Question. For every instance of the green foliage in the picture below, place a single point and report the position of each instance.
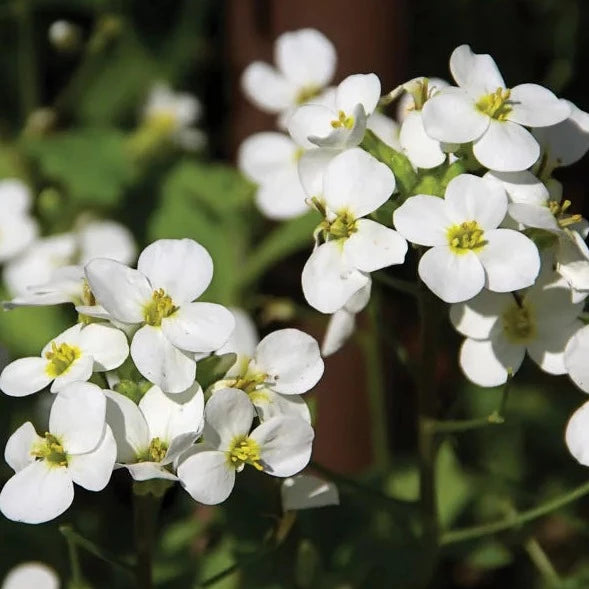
(213, 368)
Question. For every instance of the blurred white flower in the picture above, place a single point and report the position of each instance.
(31, 575)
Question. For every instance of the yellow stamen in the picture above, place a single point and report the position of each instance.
(343, 121)
(156, 451)
(160, 307)
(60, 359)
(243, 450)
(342, 227)
(51, 451)
(465, 237)
(496, 104)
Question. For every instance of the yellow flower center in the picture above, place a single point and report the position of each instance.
(518, 324)
(88, 298)
(162, 122)
(560, 209)
(343, 121)
(156, 451)
(51, 450)
(298, 154)
(342, 227)
(306, 93)
(466, 236)
(496, 104)
(160, 307)
(60, 359)
(243, 450)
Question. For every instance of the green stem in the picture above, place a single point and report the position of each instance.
(27, 65)
(243, 562)
(462, 534)
(398, 284)
(77, 577)
(542, 562)
(146, 507)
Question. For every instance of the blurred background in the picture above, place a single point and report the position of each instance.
(72, 125)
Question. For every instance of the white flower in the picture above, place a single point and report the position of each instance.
(243, 340)
(78, 448)
(280, 446)
(355, 185)
(72, 356)
(577, 434)
(385, 128)
(285, 364)
(151, 436)
(31, 575)
(105, 239)
(468, 252)
(306, 491)
(17, 228)
(484, 111)
(158, 297)
(271, 161)
(175, 113)
(341, 124)
(305, 61)
(415, 93)
(500, 328)
(342, 323)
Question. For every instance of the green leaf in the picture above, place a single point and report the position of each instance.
(490, 555)
(91, 163)
(308, 565)
(213, 368)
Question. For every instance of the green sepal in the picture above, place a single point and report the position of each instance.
(213, 368)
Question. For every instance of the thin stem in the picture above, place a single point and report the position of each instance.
(462, 534)
(146, 508)
(77, 577)
(542, 562)
(398, 284)
(27, 66)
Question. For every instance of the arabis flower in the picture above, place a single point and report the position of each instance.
(152, 435)
(467, 252)
(483, 110)
(577, 434)
(280, 446)
(341, 124)
(157, 297)
(17, 228)
(72, 356)
(306, 491)
(285, 364)
(355, 185)
(271, 160)
(305, 64)
(31, 575)
(501, 328)
(78, 448)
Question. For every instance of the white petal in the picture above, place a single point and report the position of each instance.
(511, 260)
(78, 417)
(79, 371)
(310, 120)
(357, 182)
(573, 260)
(577, 434)
(575, 359)
(107, 345)
(24, 377)
(144, 471)
(267, 88)
(521, 187)
(282, 197)
(93, 469)
(285, 445)
(182, 267)
(423, 220)
(339, 329)
(385, 128)
(305, 57)
(15, 196)
(479, 317)
(106, 239)
(262, 155)
(487, 362)
(531, 215)
(128, 426)
(207, 476)
(421, 149)
(452, 277)
(37, 494)
(548, 352)
(160, 362)
(536, 106)
(306, 491)
(506, 147)
(15, 235)
(18, 448)
(312, 167)
(341, 138)
(244, 338)
(359, 299)
(199, 327)
(292, 358)
(470, 198)
(29, 575)
(269, 404)
(451, 116)
(477, 73)
(374, 246)
(361, 89)
(228, 413)
(122, 291)
(329, 279)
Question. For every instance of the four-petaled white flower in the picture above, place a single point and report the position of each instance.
(70, 357)
(17, 228)
(483, 110)
(285, 364)
(501, 327)
(171, 273)
(355, 185)
(271, 160)
(305, 64)
(78, 448)
(467, 252)
(280, 446)
(152, 435)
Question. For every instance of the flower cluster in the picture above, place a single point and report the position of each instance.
(127, 384)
